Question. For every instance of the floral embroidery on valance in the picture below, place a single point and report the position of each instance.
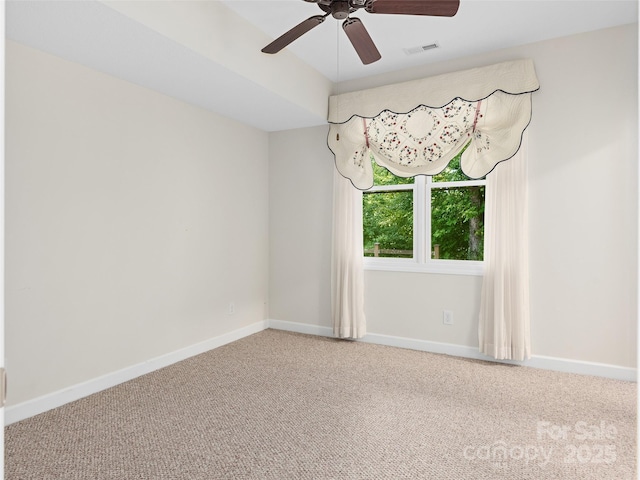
(422, 140)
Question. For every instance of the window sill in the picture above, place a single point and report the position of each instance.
(446, 267)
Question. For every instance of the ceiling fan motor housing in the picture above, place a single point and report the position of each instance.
(340, 9)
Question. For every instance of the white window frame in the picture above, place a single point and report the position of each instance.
(422, 261)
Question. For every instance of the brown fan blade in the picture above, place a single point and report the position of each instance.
(435, 8)
(293, 34)
(361, 41)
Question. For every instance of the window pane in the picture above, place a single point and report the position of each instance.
(457, 223)
(387, 219)
(382, 176)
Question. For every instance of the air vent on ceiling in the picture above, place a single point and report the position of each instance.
(421, 48)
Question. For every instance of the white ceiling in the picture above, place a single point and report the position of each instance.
(479, 26)
(229, 75)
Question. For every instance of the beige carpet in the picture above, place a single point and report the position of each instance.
(279, 405)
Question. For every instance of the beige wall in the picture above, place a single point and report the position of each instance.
(583, 212)
(132, 221)
(300, 210)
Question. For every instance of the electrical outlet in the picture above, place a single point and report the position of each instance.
(232, 309)
(447, 317)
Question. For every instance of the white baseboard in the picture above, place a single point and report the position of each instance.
(39, 405)
(301, 328)
(537, 361)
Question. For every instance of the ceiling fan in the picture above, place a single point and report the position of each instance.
(354, 28)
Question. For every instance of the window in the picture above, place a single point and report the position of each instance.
(430, 224)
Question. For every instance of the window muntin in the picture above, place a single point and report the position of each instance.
(443, 222)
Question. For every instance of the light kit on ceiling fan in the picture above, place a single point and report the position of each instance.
(354, 28)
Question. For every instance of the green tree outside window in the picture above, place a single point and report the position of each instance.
(457, 215)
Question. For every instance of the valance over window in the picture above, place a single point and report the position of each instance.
(417, 127)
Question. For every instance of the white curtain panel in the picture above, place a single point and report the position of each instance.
(504, 328)
(347, 273)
